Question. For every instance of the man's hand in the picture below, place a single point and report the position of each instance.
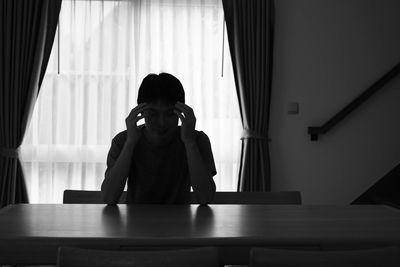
(186, 114)
(133, 131)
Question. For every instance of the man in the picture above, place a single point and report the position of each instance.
(160, 160)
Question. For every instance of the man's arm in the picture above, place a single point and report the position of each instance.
(115, 177)
(200, 175)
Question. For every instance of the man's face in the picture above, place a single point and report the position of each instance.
(161, 121)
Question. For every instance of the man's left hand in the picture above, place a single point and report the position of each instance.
(186, 114)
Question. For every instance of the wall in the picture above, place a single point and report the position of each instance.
(326, 53)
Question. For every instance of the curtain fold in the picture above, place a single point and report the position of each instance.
(250, 33)
(27, 32)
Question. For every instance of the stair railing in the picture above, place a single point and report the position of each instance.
(315, 131)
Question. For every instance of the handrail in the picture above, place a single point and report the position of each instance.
(314, 131)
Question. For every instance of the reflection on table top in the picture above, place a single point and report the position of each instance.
(198, 225)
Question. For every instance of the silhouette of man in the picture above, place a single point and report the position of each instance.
(160, 160)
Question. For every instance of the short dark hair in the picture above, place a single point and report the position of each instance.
(162, 86)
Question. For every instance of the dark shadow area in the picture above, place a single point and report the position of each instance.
(385, 191)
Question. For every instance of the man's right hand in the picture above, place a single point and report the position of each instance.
(133, 131)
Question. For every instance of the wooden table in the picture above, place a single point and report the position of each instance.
(32, 233)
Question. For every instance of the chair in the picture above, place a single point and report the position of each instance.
(79, 257)
(284, 197)
(378, 257)
(86, 197)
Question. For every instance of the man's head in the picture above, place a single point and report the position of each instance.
(163, 86)
(160, 92)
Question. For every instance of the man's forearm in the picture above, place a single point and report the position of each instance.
(201, 178)
(115, 178)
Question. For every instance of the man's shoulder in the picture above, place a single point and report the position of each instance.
(201, 133)
(201, 137)
(120, 137)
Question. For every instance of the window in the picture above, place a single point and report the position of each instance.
(104, 51)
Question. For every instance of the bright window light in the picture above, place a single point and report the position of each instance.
(101, 53)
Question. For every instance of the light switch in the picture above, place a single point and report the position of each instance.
(293, 108)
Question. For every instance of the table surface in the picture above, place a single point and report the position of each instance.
(26, 228)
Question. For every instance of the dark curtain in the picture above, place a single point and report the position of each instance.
(250, 33)
(27, 29)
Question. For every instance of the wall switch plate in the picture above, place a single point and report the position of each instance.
(293, 108)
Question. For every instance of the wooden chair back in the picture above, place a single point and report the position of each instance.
(220, 197)
(284, 197)
(79, 257)
(263, 257)
(87, 197)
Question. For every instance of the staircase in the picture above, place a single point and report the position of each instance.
(386, 191)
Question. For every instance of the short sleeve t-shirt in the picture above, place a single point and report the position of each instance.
(160, 175)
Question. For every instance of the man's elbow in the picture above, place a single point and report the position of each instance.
(207, 197)
(205, 200)
(110, 201)
(108, 198)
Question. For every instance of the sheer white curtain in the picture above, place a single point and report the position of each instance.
(105, 50)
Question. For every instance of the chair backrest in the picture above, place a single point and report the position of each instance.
(86, 197)
(195, 257)
(284, 197)
(387, 256)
